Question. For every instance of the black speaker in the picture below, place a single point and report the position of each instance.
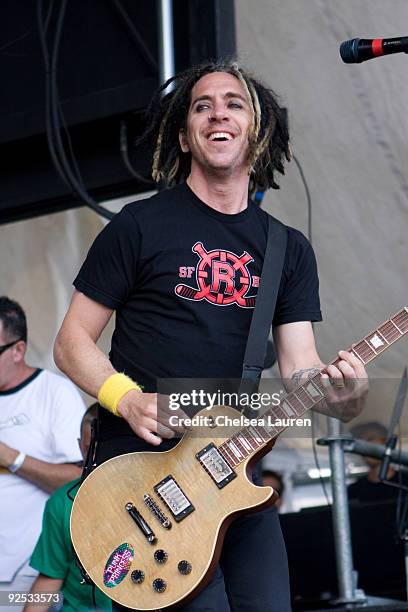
(107, 71)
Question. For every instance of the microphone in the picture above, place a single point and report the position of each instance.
(361, 49)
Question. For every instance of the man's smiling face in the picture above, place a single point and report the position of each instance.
(218, 125)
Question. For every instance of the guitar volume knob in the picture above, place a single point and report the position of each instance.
(137, 576)
(160, 556)
(159, 585)
(184, 567)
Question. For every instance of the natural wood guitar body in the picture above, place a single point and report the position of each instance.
(100, 522)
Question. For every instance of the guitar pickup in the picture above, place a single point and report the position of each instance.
(215, 465)
(175, 499)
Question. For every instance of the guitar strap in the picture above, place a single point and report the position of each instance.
(255, 352)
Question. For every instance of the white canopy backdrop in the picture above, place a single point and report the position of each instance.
(349, 130)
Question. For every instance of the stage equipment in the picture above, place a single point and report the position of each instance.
(359, 50)
(338, 445)
(166, 40)
(377, 556)
(108, 68)
(346, 575)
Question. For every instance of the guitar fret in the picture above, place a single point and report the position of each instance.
(378, 332)
(317, 381)
(287, 408)
(313, 390)
(363, 351)
(304, 397)
(239, 445)
(390, 331)
(272, 429)
(401, 320)
(363, 361)
(245, 443)
(279, 413)
(262, 432)
(263, 429)
(234, 450)
(248, 438)
(395, 325)
(295, 404)
(229, 458)
(375, 342)
(257, 438)
(224, 453)
(251, 438)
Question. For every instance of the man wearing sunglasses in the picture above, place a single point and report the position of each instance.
(40, 416)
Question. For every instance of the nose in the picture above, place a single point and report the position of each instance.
(218, 113)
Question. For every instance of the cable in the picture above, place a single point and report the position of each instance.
(30, 31)
(309, 199)
(12, 42)
(71, 178)
(317, 462)
(94, 596)
(309, 235)
(125, 156)
(76, 484)
(76, 182)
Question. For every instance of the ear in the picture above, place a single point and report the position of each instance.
(19, 351)
(183, 141)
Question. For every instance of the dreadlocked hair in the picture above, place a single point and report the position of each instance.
(167, 114)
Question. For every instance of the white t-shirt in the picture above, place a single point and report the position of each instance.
(41, 417)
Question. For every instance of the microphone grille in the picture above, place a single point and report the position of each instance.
(348, 51)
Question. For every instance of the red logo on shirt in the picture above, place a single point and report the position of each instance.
(222, 277)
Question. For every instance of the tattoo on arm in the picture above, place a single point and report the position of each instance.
(298, 375)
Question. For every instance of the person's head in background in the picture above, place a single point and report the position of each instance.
(13, 344)
(85, 440)
(373, 432)
(274, 479)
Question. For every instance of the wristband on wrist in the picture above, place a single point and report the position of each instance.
(17, 463)
(113, 389)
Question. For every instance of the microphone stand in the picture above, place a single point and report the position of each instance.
(346, 574)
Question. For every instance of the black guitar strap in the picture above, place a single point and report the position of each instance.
(262, 317)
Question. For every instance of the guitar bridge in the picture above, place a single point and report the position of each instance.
(157, 513)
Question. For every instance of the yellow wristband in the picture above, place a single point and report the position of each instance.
(113, 389)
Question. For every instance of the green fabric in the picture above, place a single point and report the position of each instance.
(53, 555)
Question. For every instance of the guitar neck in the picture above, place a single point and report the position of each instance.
(248, 440)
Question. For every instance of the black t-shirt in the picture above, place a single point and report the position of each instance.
(182, 278)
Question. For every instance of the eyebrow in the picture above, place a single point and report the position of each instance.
(228, 94)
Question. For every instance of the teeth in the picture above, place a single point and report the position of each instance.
(216, 135)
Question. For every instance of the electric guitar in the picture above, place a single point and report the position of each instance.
(148, 527)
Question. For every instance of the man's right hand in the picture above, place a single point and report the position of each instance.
(147, 420)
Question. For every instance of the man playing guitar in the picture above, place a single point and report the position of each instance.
(179, 270)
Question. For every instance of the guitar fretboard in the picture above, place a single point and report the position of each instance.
(249, 439)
